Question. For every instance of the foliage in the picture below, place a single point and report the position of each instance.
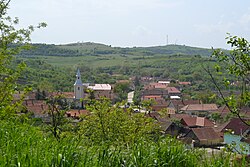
(237, 63)
(111, 124)
(122, 89)
(9, 35)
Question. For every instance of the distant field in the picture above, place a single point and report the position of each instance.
(111, 60)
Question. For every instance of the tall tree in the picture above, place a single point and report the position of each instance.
(12, 41)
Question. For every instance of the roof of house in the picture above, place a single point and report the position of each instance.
(197, 121)
(207, 133)
(185, 83)
(173, 90)
(223, 110)
(164, 82)
(154, 92)
(38, 107)
(156, 85)
(237, 126)
(69, 95)
(165, 125)
(181, 103)
(179, 116)
(200, 107)
(100, 87)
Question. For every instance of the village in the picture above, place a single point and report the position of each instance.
(190, 121)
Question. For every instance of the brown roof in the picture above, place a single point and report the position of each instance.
(197, 121)
(154, 115)
(237, 126)
(36, 106)
(201, 121)
(156, 85)
(181, 103)
(223, 110)
(173, 90)
(158, 107)
(154, 92)
(179, 116)
(65, 94)
(200, 107)
(207, 133)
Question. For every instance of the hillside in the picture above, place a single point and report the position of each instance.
(83, 49)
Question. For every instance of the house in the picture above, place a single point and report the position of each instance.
(204, 137)
(173, 91)
(102, 90)
(155, 92)
(170, 128)
(156, 85)
(193, 122)
(223, 111)
(160, 105)
(178, 116)
(178, 104)
(199, 109)
(236, 127)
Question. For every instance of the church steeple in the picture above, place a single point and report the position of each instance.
(78, 86)
(78, 78)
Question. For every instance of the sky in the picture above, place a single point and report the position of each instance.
(129, 23)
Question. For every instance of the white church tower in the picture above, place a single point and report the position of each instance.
(78, 87)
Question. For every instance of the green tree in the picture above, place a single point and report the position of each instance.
(111, 124)
(12, 41)
(122, 89)
(236, 63)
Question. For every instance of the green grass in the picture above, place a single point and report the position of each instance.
(24, 145)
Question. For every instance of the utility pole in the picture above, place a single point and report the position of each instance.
(167, 40)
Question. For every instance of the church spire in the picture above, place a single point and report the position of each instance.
(78, 78)
(78, 86)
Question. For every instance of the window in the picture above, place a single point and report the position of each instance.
(78, 88)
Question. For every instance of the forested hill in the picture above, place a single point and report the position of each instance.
(81, 49)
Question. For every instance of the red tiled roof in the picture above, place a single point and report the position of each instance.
(173, 90)
(36, 106)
